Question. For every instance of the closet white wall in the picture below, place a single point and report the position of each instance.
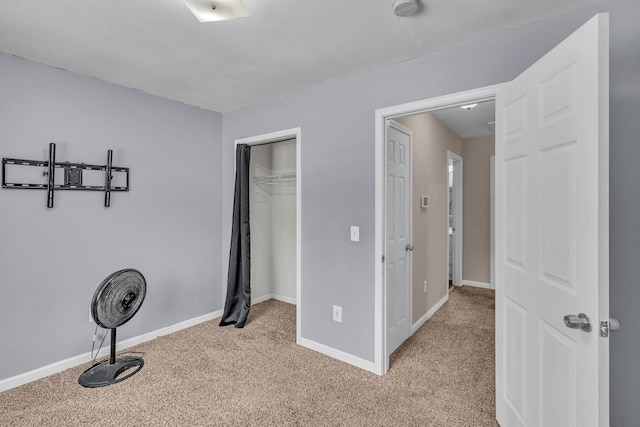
(273, 221)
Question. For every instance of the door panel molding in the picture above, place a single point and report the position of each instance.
(552, 221)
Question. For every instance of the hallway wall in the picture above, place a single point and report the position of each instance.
(476, 236)
(431, 141)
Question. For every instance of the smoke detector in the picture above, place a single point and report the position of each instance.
(403, 8)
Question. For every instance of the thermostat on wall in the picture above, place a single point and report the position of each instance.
(424, 201)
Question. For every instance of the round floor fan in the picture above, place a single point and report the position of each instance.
(117, 299)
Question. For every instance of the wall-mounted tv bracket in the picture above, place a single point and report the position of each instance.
(72, 176)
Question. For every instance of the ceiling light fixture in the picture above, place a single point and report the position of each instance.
(217, 10)
(468, 107)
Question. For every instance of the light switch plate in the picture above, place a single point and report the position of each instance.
(355, 233)
(337, 313)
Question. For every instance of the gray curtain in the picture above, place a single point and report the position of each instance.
(238, 302)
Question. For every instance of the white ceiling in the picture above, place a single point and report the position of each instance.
(159, 47)
(469, 123)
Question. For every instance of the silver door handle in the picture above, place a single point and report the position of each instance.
(408, 247)
(581, 321)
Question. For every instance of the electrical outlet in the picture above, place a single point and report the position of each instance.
(425, 286)
(337, 313)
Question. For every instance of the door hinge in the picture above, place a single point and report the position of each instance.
(382, 258)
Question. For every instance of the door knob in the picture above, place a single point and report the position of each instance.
(614, 325)
(409, 247)
(581, 321)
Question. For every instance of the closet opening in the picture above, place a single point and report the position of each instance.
(272, 218)
(275, 218)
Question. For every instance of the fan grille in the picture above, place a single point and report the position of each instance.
(118, 298)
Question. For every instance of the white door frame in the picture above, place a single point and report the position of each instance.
(382, 115)
(456, 274)
(275, 137)
(492, 221)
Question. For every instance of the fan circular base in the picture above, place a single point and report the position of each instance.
(106, 373)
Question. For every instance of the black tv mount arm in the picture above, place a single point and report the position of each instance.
(72, 176)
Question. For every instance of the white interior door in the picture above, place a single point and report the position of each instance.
(455, 220)
(398, 235)
(552, 236)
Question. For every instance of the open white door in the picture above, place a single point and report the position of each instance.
(455, 219)
(398, 235)
(552, 204)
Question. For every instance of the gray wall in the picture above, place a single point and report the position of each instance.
(167, 226)
(337, 149)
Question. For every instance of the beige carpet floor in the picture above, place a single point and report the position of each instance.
(257, 376)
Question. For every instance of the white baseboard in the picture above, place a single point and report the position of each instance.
(337, 354)
(278, 297)
(74, 361)
(283, 298)
(421, 321)
(258, 300)
(477, 284)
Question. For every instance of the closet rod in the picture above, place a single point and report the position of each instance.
(276, 177)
